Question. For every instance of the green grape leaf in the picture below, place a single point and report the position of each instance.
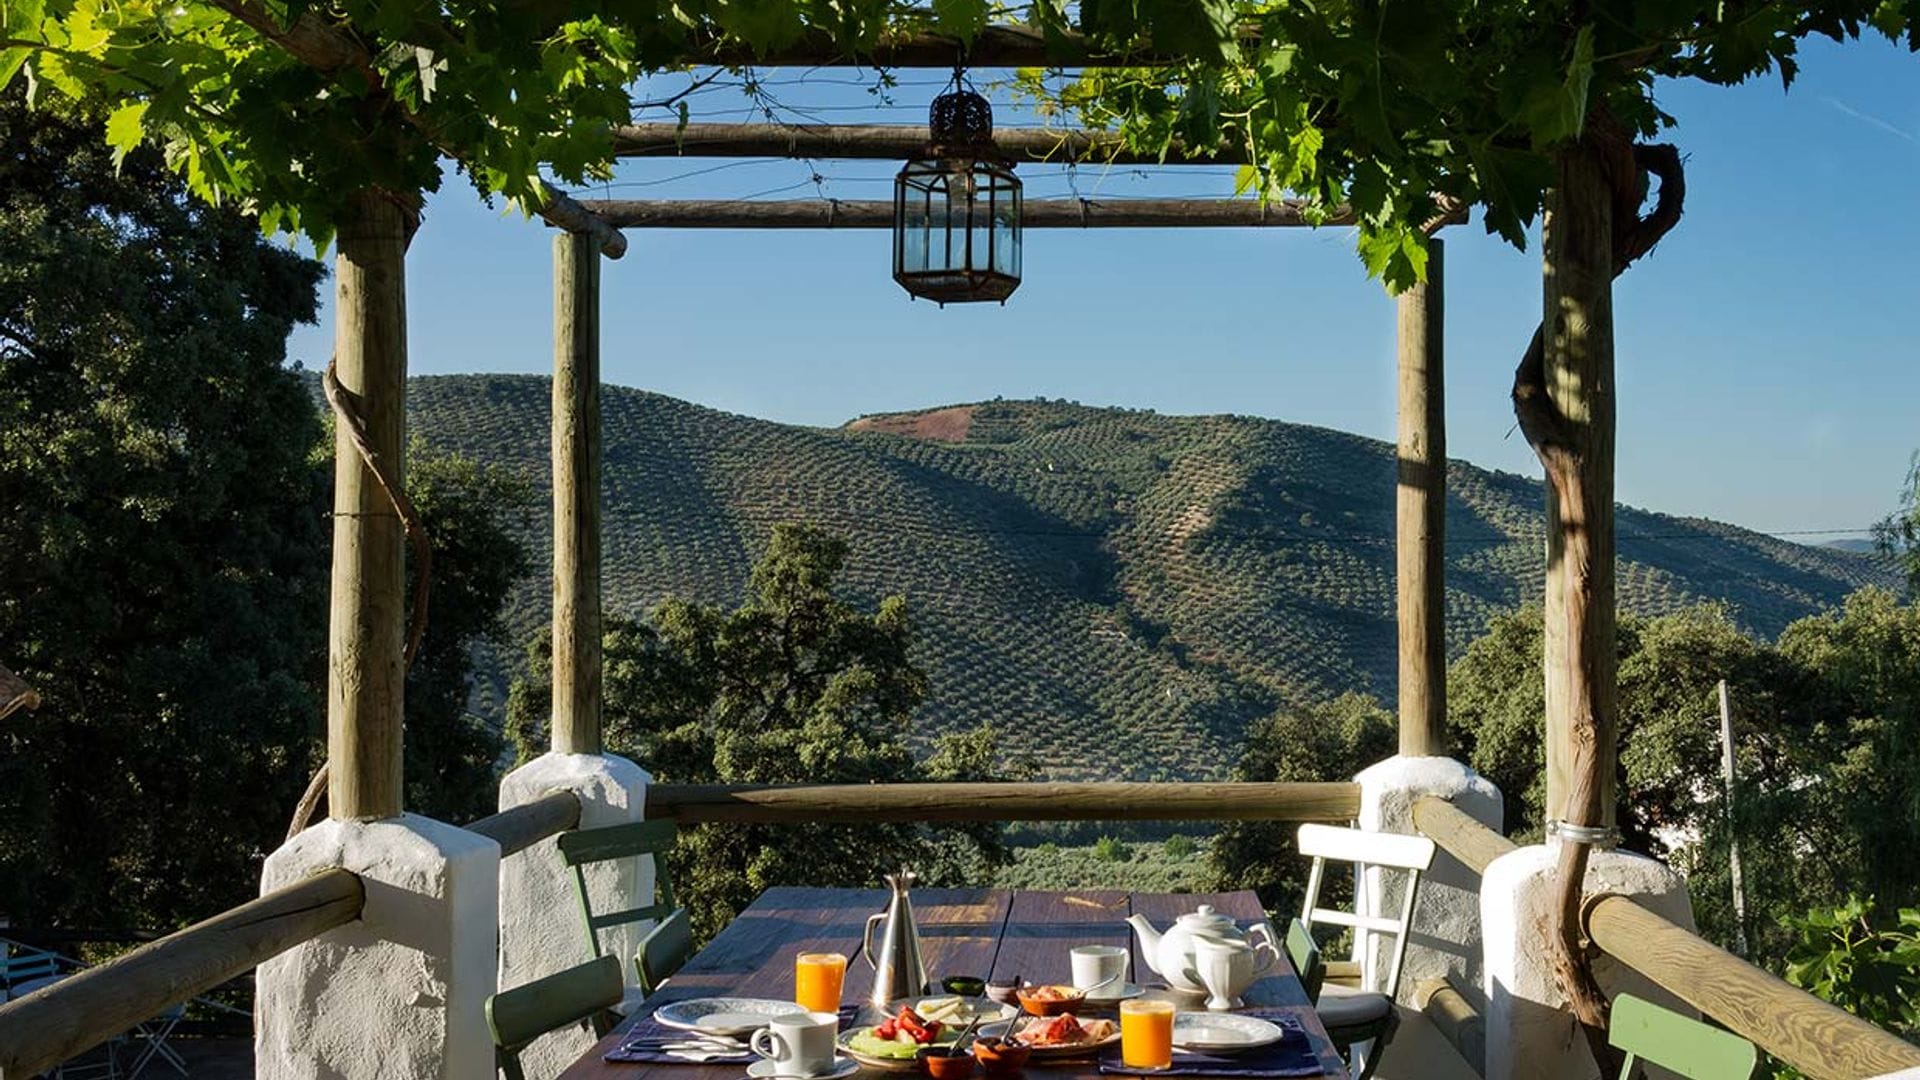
(124, 129)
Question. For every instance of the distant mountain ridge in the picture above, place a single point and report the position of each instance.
(1119, 592)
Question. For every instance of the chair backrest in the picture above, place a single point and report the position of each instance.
(524, 1013)
(1392, 851)
(1305, 954)
(583, 847)
(20, 964)
(665, 951)
(1686, 1046)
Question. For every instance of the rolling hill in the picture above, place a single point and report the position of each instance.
(1119, 592)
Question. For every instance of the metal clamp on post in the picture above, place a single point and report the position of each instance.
(1603, 837)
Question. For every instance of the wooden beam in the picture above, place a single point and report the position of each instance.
(1819, 1039)
(1455, 1018)
(525, 825)
(1458, 833)
(1420, 535)
(15, 694)
(1035, 214)
(367, 634)
(888, 142)
(79, 1012)
(575, 723)
(563, 212)
(1003, 46)
(856, 803)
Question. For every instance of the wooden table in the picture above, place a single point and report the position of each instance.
(996, 933)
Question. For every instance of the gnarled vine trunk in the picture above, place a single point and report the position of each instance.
(1563, 395)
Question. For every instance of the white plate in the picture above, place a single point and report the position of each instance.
(1223, 1033)
(723, 1015)
(1111, 994)
(762, 1069)
(989, 1009)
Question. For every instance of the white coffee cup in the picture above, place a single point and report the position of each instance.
(1099, 967)
(798, 1043)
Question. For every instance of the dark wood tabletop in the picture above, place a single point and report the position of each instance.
(998, 933)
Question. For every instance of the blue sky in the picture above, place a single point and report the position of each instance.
(1769, 370)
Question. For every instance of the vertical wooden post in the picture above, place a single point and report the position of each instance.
(576, 495)
(1580, 658)
(1421, 513)
(367, 634)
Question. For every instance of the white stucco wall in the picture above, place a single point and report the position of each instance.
(401, 993)
(541, 927)
(1446, 938)
(1529, 1031)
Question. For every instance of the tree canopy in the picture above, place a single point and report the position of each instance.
(293, 110)
(794, 686)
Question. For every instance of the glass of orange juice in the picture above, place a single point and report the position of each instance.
(816, 980)
(1146, 1034)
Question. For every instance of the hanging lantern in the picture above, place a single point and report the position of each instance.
(956, 212)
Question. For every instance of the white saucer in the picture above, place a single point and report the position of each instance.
(1109, 994)
(765, 1068)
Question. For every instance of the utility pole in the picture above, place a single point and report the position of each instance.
(1733, 837)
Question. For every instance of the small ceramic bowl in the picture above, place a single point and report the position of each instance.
(937, 1063)
(964, 985)
(1000, 1058)
(1069, 1000)
(1004, 991)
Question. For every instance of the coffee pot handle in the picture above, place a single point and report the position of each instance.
(866, 940)
(1264, 960)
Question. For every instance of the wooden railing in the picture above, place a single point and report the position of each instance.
(77, 1013)
(525, 825)
(1794, 1026)
(855, 803)
(70, 1017)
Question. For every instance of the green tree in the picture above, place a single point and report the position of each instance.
(164, 546)
(1872, 970)
(1317, 741)
(470, 512)
(1899, 533)
(795, 686)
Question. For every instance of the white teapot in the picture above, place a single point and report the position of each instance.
(1171, 955)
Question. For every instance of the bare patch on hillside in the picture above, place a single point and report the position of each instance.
(940, 425)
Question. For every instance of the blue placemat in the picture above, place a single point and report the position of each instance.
(1295, 1055)
(640, 1043)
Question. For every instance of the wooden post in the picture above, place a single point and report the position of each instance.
(367, 635)
(576, 495)
(1580, 658)
(1421, 518)
(1733, 833)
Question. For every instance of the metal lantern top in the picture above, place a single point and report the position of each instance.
(960, 121)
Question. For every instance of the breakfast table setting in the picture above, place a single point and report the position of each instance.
(977, 984)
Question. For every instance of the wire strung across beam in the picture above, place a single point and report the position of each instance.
(1035, 214)
(895, 142)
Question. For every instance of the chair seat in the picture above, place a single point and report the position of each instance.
(1341, 1008)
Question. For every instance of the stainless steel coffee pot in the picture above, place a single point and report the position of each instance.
(898, 970)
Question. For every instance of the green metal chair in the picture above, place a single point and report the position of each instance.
(1305, 954)
(1688, 1047)
(582, 994)
(668, 945)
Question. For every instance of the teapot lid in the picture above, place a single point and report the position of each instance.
(1207, 919)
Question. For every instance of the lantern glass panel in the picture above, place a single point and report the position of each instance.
(957, 230)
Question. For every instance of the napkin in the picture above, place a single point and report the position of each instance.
(639, 1044)
(1295, 1055)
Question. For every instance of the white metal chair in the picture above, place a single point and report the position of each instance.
(1361, 1020)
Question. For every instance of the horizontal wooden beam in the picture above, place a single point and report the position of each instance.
(891, 142)
(1821, 1040)
(1005, 46)
(878, 214)
(523, 826)
(1459, 834)
(859, 803)
(81, 1011)
(1456, 1019)
(562, 212)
